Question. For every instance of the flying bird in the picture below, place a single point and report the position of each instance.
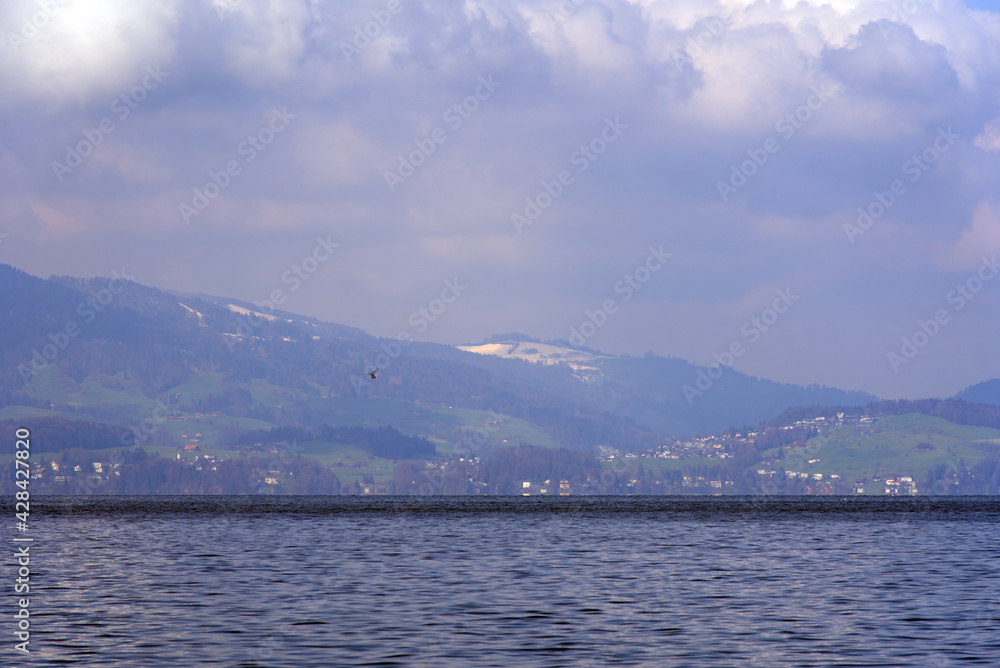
(372, 373)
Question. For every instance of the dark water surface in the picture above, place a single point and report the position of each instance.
(500, 581)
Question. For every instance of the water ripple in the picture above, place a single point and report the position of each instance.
(407, 581)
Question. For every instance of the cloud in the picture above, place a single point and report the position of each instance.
(81, 52)
(56, 222)
(980, 238)
(702, 86)
(335, 153)
(989, 138)
(10, 162)
(266, 41)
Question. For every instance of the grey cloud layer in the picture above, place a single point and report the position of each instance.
(703, 87)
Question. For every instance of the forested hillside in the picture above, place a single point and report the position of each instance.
(110, 350)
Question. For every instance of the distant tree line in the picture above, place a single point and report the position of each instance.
(775, 437)
(58, 434)
(504, 469)
(983, 478)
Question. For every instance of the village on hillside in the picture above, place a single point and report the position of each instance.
(726, 463)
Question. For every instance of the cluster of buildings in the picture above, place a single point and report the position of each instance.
(707, 447)
(549, 487)
(896, 485)
(723, 447)
(65, 472)
(821, 422)
(700, 481)
(800, 474)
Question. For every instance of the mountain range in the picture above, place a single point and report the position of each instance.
(162, 364)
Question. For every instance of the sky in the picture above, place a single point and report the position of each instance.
(805, 191)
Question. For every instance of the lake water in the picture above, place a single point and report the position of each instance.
(501, 581)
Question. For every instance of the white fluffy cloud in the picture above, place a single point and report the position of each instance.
(80, 51)
(980, 238)
(989, 138)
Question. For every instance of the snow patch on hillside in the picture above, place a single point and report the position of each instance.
(543, 353)
(200, 316)
(243, 311)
